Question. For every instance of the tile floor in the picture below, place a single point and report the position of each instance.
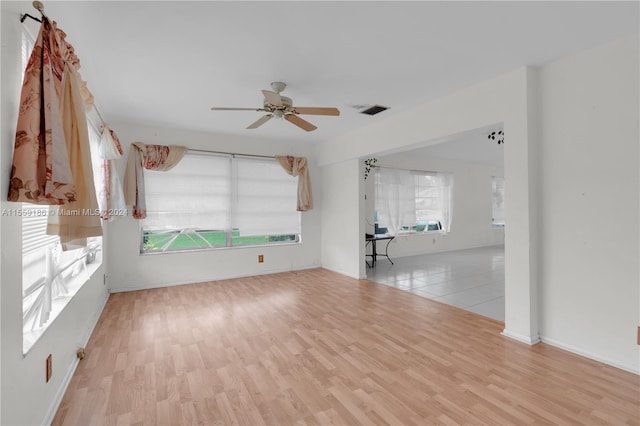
(471, 279)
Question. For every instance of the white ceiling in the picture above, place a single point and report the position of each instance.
(166, 63)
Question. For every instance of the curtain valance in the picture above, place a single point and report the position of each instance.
(297, 166)
(151, 157)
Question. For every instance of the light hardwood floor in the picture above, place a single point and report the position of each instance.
(316, 347)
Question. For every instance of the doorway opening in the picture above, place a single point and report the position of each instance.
(463, 263)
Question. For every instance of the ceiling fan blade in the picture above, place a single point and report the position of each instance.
(316, 111)
(260, 121)
(303, 124)
(236, 109)
(272, 97)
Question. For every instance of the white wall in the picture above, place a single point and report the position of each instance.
(505, 99)
(25, 397)
(129, 270)
(342, 227)
(590, 183)
(472, 210)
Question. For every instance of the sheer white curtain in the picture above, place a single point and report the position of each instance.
(446, 183)
(434, 198)
(395, 198)
(498, 201)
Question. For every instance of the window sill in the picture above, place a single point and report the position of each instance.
(408, 233)
(199, 250)
(30, 337)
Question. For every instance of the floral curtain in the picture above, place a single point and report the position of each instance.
(40, 172)
(151, 157)
(110, 193)
(51, 161)
(297, 166)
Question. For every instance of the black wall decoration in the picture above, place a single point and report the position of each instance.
(497, 136)
(369, 164)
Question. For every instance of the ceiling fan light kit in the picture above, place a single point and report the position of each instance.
(278, 106)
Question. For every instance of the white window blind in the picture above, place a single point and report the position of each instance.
(214, 200)
(195, 194)
(265, 198)
(34, 228)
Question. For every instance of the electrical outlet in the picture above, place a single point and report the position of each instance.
(260, 258)
(49, 368)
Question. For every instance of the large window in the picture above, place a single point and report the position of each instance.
(497, 217)
(51, 275)
(412, 201)
(210, 201)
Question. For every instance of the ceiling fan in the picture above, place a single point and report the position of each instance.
(279, 106)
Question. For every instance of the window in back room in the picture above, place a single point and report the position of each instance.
(409, 201)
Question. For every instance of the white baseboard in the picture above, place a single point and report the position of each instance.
(590, 355)
(217, 278)
(345, 273)
(57, 398)
(529, 340)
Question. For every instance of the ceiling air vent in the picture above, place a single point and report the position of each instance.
(374, 110)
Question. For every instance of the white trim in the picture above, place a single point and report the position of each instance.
(345, 273)
(217, 278)
(57, 398)
(590, 355)
(529, 340)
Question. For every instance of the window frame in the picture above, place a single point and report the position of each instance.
(428, 224)
(231, 233)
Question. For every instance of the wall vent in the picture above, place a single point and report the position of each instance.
(376, 109)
